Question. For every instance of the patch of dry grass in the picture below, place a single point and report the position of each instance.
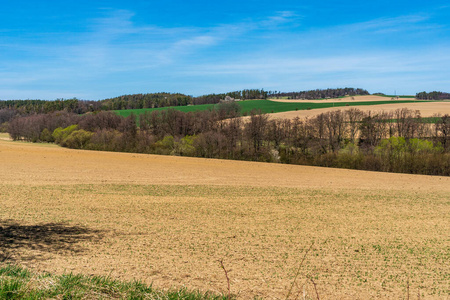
(427, 109)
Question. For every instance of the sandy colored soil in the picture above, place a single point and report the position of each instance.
(5, 137)
(345, 99)
(168, 220)
(426, 109)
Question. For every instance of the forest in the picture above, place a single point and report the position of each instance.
(400, 141)
(11, 108)
(433, 96)
(320, 94)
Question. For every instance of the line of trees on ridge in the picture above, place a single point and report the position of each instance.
(320, 94)
(399, 141)
(11, 108)
(433, 96)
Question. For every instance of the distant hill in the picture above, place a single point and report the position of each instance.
(10, 108)
(433, 95)
(321, 94)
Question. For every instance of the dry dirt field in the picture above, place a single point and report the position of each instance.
(169, 220)
(355, 98)
(426, 109)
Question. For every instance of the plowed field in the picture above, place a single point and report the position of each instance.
(169, 220)
(427, 109)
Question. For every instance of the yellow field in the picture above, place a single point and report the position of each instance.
(345, 99)
(169, 220)
(427, 109)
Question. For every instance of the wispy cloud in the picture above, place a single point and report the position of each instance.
(281, 18)
(277, 50)
(401, 22)
(391, 69)
(389, 30)
(115, 42)
(375, 62)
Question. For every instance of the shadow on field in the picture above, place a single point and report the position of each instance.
(33, 242)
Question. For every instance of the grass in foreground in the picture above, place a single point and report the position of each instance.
(19, 283)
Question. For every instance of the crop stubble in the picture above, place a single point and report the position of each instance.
(168, 220)
(427, 109)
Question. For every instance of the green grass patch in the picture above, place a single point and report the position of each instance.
(190, 108)
(19, 283)
(427, 120)
(266, 106)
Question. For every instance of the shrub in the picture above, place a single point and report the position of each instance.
(77, 139)
(4, 127)
(59, 134)
(166, 145)
(349, 157)
(105, 140)
(420, 146)
(228, 109)
(185, 146)
(46, 136)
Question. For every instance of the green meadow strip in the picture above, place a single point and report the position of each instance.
(266, 106)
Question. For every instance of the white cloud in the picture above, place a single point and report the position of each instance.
(412, 71)
(251, 53)
(280, 18)
(368, 62)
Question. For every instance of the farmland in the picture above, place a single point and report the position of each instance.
(274, 106)
(168, 221)
(427, 109)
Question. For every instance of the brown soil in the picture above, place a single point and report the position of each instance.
(168, 220)
(426, 109)
(5, 137)
(345, 99)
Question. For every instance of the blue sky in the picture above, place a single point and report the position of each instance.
(100, 49)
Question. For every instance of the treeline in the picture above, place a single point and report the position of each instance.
(241, 95)
(138, 101)
(39, 106)
(11, 108)
(433, 96)
(153, 100)
(378, 141)
(26, 107)
(320, 94)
